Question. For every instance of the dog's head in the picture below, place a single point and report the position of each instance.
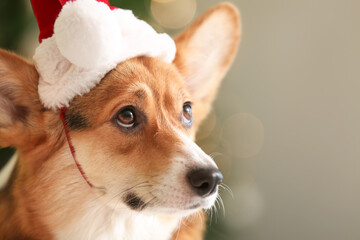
(133, 133)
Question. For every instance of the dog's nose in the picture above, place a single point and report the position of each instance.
(204, 181)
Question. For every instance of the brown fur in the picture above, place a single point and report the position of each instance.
(29, 205)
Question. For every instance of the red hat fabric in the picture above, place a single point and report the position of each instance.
(46, 12)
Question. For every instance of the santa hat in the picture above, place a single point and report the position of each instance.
(82, 40)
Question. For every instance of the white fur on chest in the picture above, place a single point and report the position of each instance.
(98, 224)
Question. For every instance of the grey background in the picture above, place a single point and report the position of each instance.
(297, 72)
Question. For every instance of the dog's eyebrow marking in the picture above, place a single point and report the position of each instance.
(140, 90)
(141, 94)
(76, 121)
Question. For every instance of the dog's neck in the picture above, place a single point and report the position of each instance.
(100, 222)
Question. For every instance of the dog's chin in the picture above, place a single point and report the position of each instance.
(149, 207)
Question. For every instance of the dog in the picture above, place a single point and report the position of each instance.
(133, 135)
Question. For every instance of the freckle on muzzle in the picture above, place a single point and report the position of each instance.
(134, 202)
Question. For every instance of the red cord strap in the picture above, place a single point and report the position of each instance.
(62, 116)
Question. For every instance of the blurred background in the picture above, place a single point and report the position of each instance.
(285, 128)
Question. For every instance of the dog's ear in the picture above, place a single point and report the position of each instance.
(18, 98)
(205, 52)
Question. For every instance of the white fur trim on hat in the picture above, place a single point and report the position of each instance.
(89, 40)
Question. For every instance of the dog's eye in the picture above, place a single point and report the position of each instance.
(187, 117)
(126, 117)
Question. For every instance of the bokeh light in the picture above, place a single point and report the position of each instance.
(243, 134)
(173, 14)
(208, 127)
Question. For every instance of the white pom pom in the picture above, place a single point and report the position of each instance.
(83, 31)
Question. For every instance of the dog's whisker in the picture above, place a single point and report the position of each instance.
(222, 204)
(193, 218)
(201, 218)
(216, 210)
(227, 188)
(209, 214)
(114, 209)
(142, 184)
(197, 216)
(136, 185)
(122, 193)
(177, 235)
(147, 203)
(189, 219)
(213, 155)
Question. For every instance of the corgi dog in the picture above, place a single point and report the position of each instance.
(133, 135)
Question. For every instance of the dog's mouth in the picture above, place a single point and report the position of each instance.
(153, 205)
(193, 206)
